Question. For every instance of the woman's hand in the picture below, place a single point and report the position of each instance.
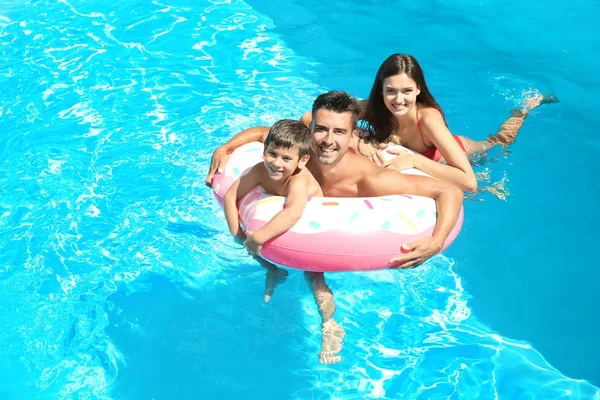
(403, 160)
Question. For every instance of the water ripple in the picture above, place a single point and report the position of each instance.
(108, 119)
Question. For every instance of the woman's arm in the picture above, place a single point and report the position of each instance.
(459, 170)
(307, 118)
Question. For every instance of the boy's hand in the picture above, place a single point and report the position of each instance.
(252, 244)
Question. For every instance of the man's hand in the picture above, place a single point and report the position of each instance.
(217, 163)
(417, 252)
(253, 246)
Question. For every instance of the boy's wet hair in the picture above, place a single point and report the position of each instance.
(337, 101)
(290, 134)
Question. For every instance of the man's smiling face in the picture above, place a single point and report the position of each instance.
(332, 132)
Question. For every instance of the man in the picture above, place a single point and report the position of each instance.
(344, 174)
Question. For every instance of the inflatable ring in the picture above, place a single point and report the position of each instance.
(333, 234)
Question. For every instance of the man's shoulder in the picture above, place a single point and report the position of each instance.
(360, 164)
(361, 168)
(379, 179)
(379, 173)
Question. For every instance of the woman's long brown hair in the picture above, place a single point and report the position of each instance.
(376, 112)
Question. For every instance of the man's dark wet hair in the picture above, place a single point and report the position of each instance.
(337, 101)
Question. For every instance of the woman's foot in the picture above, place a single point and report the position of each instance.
(509, 130)
(538, 99)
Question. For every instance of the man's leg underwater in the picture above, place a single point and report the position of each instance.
(332, 332)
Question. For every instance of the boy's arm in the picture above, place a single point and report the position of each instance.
(448, 199)
(295, 203)
(238, 189)
(221, 153)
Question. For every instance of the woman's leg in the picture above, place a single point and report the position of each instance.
(508, 131)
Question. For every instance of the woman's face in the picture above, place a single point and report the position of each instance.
(400, 94)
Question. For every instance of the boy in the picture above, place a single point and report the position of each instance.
(283, 173)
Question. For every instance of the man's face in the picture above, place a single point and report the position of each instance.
(331, 135)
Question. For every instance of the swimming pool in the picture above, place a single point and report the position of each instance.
(119, 279)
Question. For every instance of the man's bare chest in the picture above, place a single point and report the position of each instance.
(343, 188)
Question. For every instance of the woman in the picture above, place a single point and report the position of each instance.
(401, 110)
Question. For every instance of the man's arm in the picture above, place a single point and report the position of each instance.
(295, 202)
(236, 191)
(448, 199)
(306, 118)
(221, 153)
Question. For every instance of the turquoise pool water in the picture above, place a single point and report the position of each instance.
(118, 277)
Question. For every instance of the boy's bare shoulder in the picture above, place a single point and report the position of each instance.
(260, 175)
(306, 179)
(314, 189)
(301, 177)
(257, 172)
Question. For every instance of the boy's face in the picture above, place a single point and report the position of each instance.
(282, 163)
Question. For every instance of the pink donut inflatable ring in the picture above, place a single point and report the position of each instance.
(334, 234)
